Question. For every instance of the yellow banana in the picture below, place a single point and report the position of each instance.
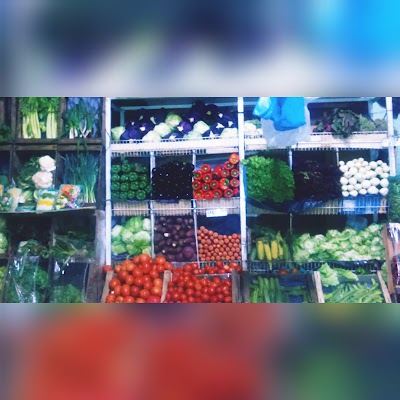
(268, 252)
(274, 250)
(260, 250)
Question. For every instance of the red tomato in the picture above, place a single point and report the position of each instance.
(107, 268)
(218, 290)
(167, 297)
(135, 291)
(125, 290)
(160, 260)
(170, 284)
(207, 268)
(180, 290)
(213, 299)
(114, 282)
(139, 281)
(198, 287)
(154, 299)
(119, 299)
(153, 274)
(199, 300)
(168, 266)
(111, 298)
(160, 268)
(144, 294)
(129, 299)
(219, 264)
(180, 283)
(122, 275)
(228, 283)
(143, 258)
(175, 297)
(156, 291)
(190, 285)
(148, 285)
(217, 279)
(140, 300)
(129, 267)
(146, 268)
(158, 282)
(189, 292)
(205, 297)
(117, 290)
(146, 279)
(129, 280)
(213, 271)
(282, 271)
(204, 282)
(211, 291)
(221, 271)
(228, 299)
(136, 272)
(205, 290)
(183, 297)
(197, 293)
(136, 260)
(220, 297)
(118, 269)
(187, 267)
(191, 299)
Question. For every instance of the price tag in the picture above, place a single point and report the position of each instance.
(349, 205)
(217, 212)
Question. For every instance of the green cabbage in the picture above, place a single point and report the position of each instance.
(117, 132)
(116, 231)
(329, 277)
(134, 224)
(162, 130)
(173, 120)
(118, 248)
(147, 224)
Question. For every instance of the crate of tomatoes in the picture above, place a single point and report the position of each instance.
(141, 279)
(192, 284)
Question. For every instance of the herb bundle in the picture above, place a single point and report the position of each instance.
(81, 119)
(82, 169)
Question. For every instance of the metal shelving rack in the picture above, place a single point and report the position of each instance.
(190, 148)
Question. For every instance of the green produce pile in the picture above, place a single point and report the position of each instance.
(3, 237)
(67, 294)
(24, 179)
(27, 282)
(130, 181)
(3, 274)
(132, 238)
(394, 198)
(348, 245)
(5, 133)
(346, 288)
(72, 245)
(269, 179)
(270, 290)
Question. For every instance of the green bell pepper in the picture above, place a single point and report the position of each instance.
(124, 187)
(141, 195)
(143, 185)
(115, 169)
(148, 190)
(123, 196)
(134, 186)
(115, 186)
(131, 195)
(126, 168)
(115, 178)
(133, 176)
(124, 178)
(144, 178)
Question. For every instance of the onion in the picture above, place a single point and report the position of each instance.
(373, 164)
(354, 193)
(385, 175)
(366, 184)
(344, 168)
(344, 188)
(360, 177)
(353, 170)
(353, 181)
(379, 162)
(344, 181)
(375, 181)
(350, 164)
(345, 194)
(373, 190)
(385, 168)
(347, 175)
(384, 183)
(384, 191)
(357, 165)
(363, 192)
(357, 187)
(350, 188)
(341, 163)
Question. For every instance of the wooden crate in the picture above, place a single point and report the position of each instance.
(362, 279)
(167, 278)
(307, 279)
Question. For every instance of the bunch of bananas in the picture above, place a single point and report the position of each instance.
(271, 248)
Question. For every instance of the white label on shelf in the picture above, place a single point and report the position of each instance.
(349, 205)
(217, 212)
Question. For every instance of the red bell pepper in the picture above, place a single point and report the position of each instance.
(236, 192)
(214, 184)
(228, 193)
(217, 194)
(208, 195)
(228, 165)
(218, 169)
(205, 187)
(235, 182)
(225, 173)
(224, 184)
(234, 158)
(205, 168)
(198, 195)
(196, 185)
(235, 173)
(197, 175)
(207, 178)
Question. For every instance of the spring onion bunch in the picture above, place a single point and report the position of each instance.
(82, 169)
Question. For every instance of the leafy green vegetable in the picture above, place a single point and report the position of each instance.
(355, 293)
(269, 179)
(5, 133)
(24, 178)
(329, 276)
(67, 294)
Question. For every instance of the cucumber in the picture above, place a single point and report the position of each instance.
(278, 297)
(272, 290)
